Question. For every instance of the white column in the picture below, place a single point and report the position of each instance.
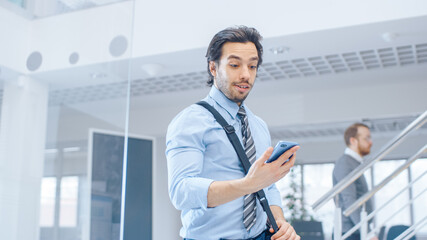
(337, 224)
(22, 142)
(364, 226)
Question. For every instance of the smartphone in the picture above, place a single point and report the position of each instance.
(280, 148)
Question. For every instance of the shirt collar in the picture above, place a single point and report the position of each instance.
(353, 154)
(219, 97)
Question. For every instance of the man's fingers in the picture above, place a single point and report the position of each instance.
(283, 232)
(282, 158)
(265, 155)
(293, 235)
(289, 232)
(290, 152)
(286, 155)
(285, 173)
(291, 162)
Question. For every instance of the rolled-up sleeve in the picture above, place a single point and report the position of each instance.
(185, 155)
(273, 196)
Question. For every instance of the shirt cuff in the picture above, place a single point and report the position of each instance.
(192, 193)
(202, 188)
(273, 196)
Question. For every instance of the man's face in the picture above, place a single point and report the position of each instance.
(364, 140)
(235, 74)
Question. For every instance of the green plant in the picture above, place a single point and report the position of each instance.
(295, 206)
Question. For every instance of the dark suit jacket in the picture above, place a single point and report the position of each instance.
(343, 166)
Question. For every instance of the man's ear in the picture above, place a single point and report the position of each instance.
(212, 68)
(353, 141)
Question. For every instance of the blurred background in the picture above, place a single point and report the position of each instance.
(88, 87)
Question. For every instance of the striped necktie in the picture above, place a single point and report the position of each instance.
(249, 207)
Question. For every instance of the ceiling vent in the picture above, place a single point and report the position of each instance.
(365, 60)
(346, 62)
(336, 129)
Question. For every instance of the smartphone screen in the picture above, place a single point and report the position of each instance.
(280, 148)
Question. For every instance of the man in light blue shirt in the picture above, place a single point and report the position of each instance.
(206, 179)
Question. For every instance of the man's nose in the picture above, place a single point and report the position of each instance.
(244, 73)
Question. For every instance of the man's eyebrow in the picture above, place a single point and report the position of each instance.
(234, 57)
(238, 58)
(254, 58)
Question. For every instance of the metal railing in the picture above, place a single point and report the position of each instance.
(412, 230)
(359, 202)
(392, 198)
(372, 214)
(356, 173)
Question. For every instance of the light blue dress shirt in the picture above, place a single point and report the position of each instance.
(198, 152)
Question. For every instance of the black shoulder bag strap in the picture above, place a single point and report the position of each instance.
(231, 134)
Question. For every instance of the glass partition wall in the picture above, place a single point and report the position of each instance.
(64, 109)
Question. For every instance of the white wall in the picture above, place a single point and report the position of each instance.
(155, 29)
(342, 97)
(14, 40)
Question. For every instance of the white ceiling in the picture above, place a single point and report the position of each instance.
(311, 55)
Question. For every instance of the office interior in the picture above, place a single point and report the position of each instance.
(87, 85)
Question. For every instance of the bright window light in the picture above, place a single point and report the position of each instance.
(69, 201)
(47, 202)
(418, 168)
(382, 170)
(318, 181)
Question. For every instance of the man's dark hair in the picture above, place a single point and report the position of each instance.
(241, 34)
(352, 132)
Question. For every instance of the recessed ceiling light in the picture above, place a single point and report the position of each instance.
(152, 69)
(96, 75)
(71, 149)
(279, 50)
(53, 150)
(389, 36)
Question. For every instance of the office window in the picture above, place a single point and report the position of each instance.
(68, 201)
(382, 170)
(318, 181)
(286, 188)
(47, 202)
(418, 168)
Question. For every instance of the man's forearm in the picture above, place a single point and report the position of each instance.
(221, 192)
(277, 212)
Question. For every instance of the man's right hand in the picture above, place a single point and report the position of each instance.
(262, 175)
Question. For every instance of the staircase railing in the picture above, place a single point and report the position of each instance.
(372, 214)
(412, 230)
(374, 190)
(356, 173)
(392, 198)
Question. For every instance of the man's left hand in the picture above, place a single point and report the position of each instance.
(286, 231)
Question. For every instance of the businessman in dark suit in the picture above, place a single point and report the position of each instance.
(358, 140)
